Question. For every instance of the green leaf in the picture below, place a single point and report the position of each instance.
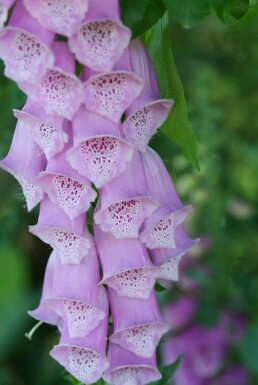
(249, 348)
(231, 11)
(189, 12)
(141, 15)
(168, 371)
(159, 288)
(176, 127)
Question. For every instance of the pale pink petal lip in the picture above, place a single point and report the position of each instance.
(100, 43)
(111, 93)
(25, 160)
(56, 16)
(85, 357)
(126, 367)
(124, 202)
(20, 67)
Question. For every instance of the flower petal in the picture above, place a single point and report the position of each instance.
(128, 369)
(110, 94)
(15, 44)
(134, 283)
(143, 122)
(48, 134)
(84, 364)
(142, 340)
(164, 232)
(43, 313)
(99, 44)
(100, 158)
(60, 93)
(60, 16)
(85, 357)
(68, 238)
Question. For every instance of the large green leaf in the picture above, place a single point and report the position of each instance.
(176, 127)
(189, 12)
(249, 348)
(140, 15)
(167, 372)
(231, 11)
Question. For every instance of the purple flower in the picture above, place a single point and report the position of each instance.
(24, 35)
(180, 313)
(48, 132)
(128, 369)
(99, 153)
(101, 38)
(59, 91)
(163, 231)
(137, 323)
(126, 265)
(204, 351)
(235, 375)
(111, 93)
(59, 16)
(43, 313)
(147, 113)
(94, 129)
(68, 238)
(124, 202)
(25, 158)
(85, 357)
(65, 187)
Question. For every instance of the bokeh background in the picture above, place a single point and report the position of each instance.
(218, 66)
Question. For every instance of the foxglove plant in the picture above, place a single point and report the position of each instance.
(76, 132)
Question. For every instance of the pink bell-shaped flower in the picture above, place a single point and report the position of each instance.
(137, 324)
(147, 112)
(43, 313)
(163, 231)
(126, 265)
(128, 369)
(76, 294)
(59, 91)
(99, 153)
(49, 132)
(24, 47)
(59, 16)
(124, 202)
(101, 38)
(68, 238)
(111, 93)
(65, 187)
(25, 159)
(85, 357)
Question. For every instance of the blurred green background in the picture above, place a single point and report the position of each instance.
(218, 66)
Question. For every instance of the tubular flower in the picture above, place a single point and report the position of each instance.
(77, 134)
(85, 357)
(126, 265)
(124, 202)
(163, 232)
(24, 48)
(128, 369)
(59, 16)
(101, 38)
(65, 187)
(137, 324)
(147, 113)
(25, 158)
(99, 153)
(59, 91)
(68, 238)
